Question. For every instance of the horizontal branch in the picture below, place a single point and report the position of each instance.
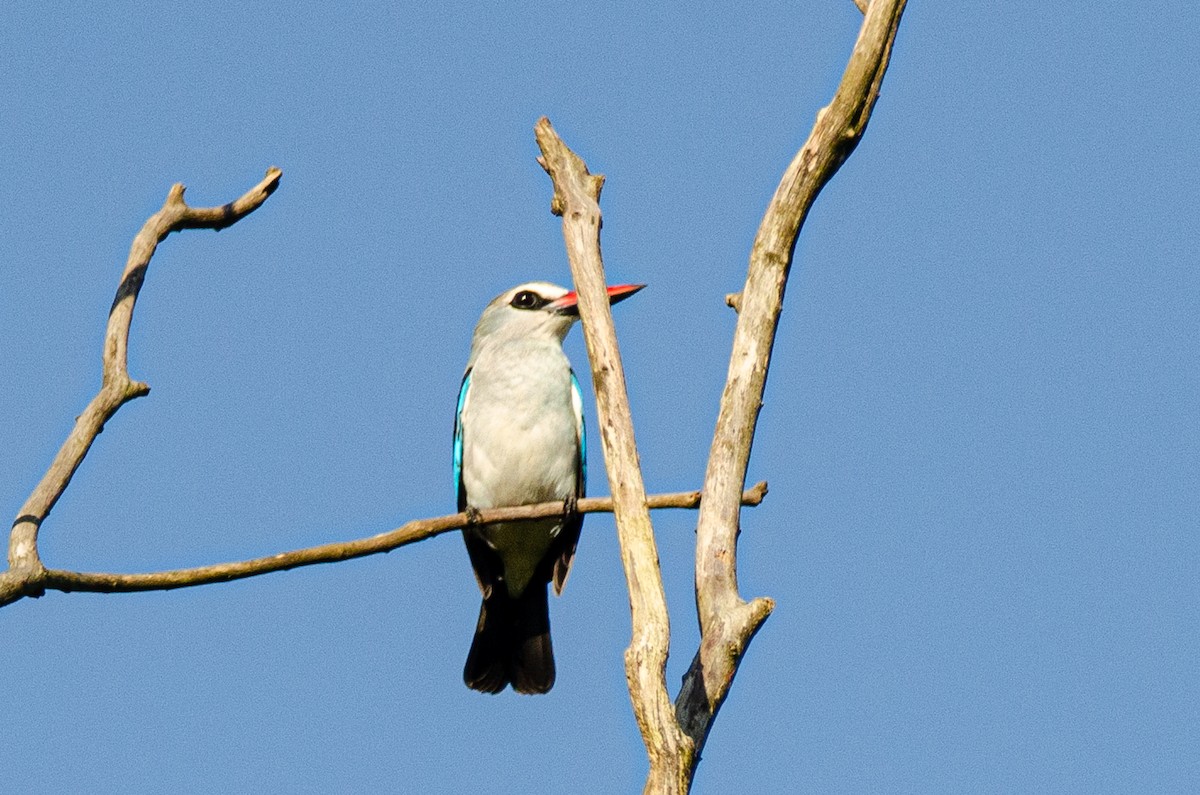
(14, 587)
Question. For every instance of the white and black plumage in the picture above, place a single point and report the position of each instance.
(519, 439)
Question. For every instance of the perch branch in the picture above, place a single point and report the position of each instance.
(576, 199)
(116, 388)
(13, 587)
(728, 623)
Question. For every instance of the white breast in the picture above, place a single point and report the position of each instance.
(520, 446)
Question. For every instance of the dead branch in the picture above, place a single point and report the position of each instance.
(576, 199)
(117, 388)
(727, 622)
(14, 587)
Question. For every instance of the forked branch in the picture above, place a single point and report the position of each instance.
(117, 388)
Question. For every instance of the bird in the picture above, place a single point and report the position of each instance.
(519, 439)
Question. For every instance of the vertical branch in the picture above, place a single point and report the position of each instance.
(117, 388)
(576, 199)
(727, 622)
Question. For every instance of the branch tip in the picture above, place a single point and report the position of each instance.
(756, 494)
(271, 180)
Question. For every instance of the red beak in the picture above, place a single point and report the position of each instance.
(569, 303)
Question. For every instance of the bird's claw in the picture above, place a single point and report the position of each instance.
(570, 507)
(474, 517)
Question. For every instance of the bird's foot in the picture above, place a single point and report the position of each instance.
(474, 517)
(570, 509)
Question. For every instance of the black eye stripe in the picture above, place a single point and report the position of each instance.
(527, 299)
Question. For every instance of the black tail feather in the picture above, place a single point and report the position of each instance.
(485, 670)
(531, 660)
(512, 644)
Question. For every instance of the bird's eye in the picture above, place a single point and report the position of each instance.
(527, 299)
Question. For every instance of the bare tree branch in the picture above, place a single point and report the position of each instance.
(13, 586)
(862, 5)
(576, 199)
(727, 622)
(116, 386)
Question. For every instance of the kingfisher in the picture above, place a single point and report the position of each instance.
(519, 439)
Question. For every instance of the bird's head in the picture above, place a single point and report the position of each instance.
(537, 309)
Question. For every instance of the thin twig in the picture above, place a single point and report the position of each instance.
(576, 199)
(728, 623)
(12, 587)
(117, 388)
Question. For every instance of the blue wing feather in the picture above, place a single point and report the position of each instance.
(460, 491)
(581, 425)
(563, 551)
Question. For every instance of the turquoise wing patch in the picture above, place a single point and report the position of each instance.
(459, 490)
(581, 434)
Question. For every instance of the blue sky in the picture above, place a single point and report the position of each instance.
(980, 426)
